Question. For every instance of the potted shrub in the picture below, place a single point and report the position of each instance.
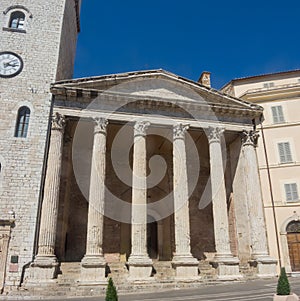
(283, 289)
(111, 291)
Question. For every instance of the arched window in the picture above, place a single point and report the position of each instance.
(17, 20)
(22, 122)
(293, 227)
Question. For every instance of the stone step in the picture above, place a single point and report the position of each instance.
(207, 272)
(69, 272)
(117, 270)
(163, 270)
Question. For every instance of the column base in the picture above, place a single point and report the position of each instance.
(227, 267)
(186, 266)
(140, 267)
(266, 266)
(93, 270)
(43, 269)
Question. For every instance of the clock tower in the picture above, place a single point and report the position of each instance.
(37, 47)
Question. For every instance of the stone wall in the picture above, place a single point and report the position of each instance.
(22, 158)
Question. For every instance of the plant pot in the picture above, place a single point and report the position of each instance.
(292, 297)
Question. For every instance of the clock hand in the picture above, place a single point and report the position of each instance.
(11, 64)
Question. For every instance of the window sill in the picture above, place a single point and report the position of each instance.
(14, 29)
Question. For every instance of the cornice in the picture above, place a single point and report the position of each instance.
(276, 93)
(85, 96)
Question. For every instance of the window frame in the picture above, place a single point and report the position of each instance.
(8, 13)
(277, 114)
(287, 155)
(291, 192)
(16, 19)
(22, 122)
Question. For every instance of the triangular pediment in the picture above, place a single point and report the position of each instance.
(156, 85)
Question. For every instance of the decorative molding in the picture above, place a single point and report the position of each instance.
(13, 7)
(101, 125)
(179, 130)
(58, 122)
(214, 134)
(140, 128)
(250, 138)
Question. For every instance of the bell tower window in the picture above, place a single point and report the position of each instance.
(17, 20)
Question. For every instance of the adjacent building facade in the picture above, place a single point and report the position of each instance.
(278, 157)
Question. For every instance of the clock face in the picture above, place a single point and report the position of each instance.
(11, 64)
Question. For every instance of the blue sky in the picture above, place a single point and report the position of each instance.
(228, 38)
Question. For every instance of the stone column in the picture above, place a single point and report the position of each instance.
(45, 263)
(227, 265)
(185, 264)
(140, 265)
(266, 266)
(93, 263)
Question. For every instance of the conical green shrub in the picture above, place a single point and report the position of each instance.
(283, 286)
(111, 291)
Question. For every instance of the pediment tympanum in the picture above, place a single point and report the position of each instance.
(151, 92)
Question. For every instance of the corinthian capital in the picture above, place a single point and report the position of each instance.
(101, 125)
(214, 134)
(250, 138)
(179, 130)
(58, 122)
(140, 128)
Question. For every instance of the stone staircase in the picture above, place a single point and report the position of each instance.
(163, 271)
(118, 271)
(207, 272)
(69, 273)
(163, 277)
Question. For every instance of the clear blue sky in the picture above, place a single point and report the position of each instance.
(228, 38)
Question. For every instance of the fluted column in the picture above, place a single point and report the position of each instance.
(93, 263)
(259, 245)
(183, 261)
(139, 261)
(45, 264)
(223, 256)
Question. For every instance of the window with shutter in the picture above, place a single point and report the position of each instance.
(291, 192)
(277, 113)
(285, 154)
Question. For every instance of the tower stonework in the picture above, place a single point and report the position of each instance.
(37, 47)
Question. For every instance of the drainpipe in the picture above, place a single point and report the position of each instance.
(271, 192)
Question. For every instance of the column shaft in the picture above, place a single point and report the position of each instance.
(140, 265)
(227, 265)
(181, 197)
(254, 196)
(93, 263)
(266, 265)
(221, 227)
(48, 222)
(97, 191)
(185, 264)
(139, 192)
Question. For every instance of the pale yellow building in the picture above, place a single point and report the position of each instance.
(279, 157)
